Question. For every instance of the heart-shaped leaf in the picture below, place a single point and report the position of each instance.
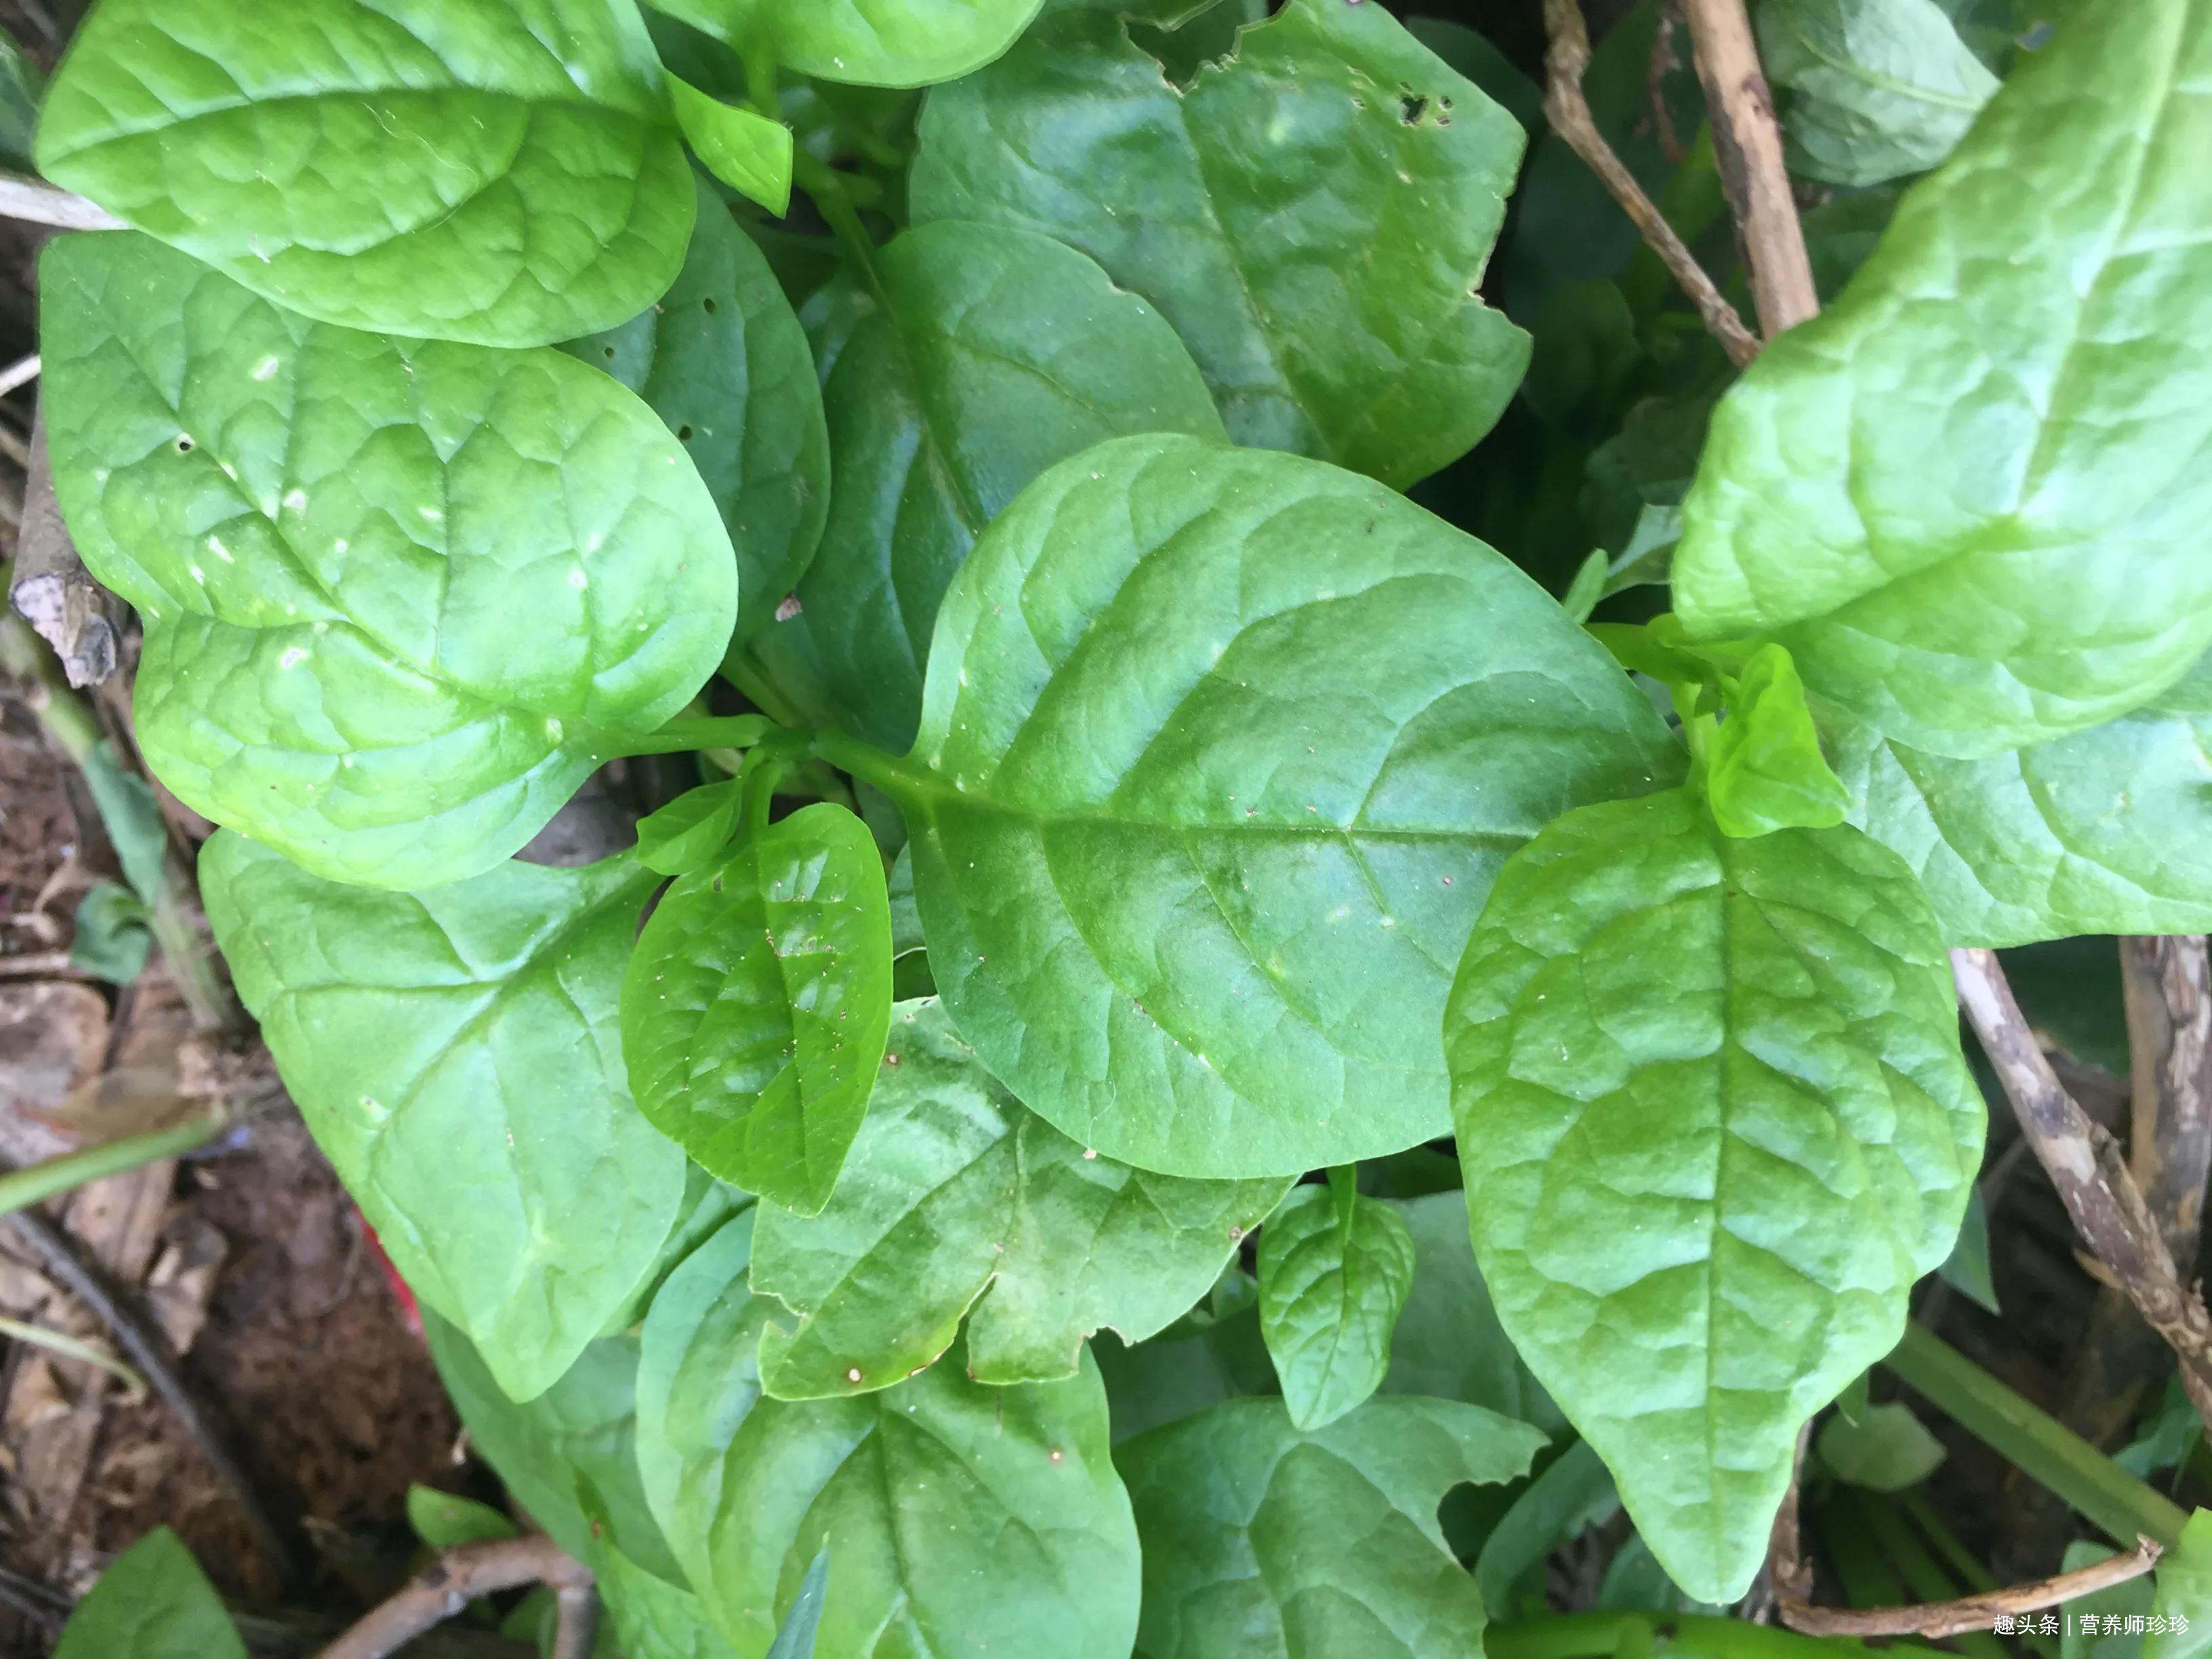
(1334, 1274)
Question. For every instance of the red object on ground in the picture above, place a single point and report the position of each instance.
(410, 1315)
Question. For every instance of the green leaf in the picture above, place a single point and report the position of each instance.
(754, 1006)
(1879, 88)
(456, 1053)
(1171, 807)
(1572, 1492)
(649, 1617)
(2047, 574)
(1195, 1362)
(748, 151)
(153, 1602)
(874, 43)
(2084, 1613)
(505, 173)
(2106, 831)
(691, 830)
(1262, 1541)
(958, 1202)
(1330, 1289)
(1765, 770)
(907, 937)
(1025, 1545)
(132, 817)
(112, 940)
(1888, 1449)
(444, 1519)
(794, 1637)
(1471, 54)
(1966, 1269)
(2185, 1593)
(400, 597)
(994, 354)
(1313, 216)
(1447, 1341)
(1715, 1123)
(724, 362)
(586, 1425)
(1635, 1580)
(22, 85)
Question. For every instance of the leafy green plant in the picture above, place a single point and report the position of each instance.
(1101, 800)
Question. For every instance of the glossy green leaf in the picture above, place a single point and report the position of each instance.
(994, 354)
(1195, 1362)
(1970, 496)
(748, 151)
(1763, 769)
(400, 597)
(1314, 216)
(1877, 89)
(1265, 1542)
(1473, 54)
(691, 830)
(444, 1519)
(708, 1203)
(755, 1005)
(1888, 1449)
(506, 172)
(724, 362)
(456, 1053)
(153, 1602)
(1635, 1580)
(22, 85)
(1715, 1123)
(796, 1637)
(1024, 1546)
(875, 43)
(1448, 1342)
(131, 815)
(110, 937)
(2185, 1593)
(2106, 831)
(586, 1425)
(1571, 1493)
(907, 937)
(958, 1202)
(1331, 1285)
(1194, 855)
(1966, 1269)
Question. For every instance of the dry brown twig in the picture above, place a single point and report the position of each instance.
(2168, 987)
(52, 590)
(457, 1576)
(2086, 1165)
(1569, 112)
(1971, 1613)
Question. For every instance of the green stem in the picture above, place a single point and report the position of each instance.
(1599, 1635)
(69, 1348)
(1344, 1188)
(742, 670)
(21, 1188)
(683, 734)
(821, 181)
(2036, 1442)
(1927, 1576)
(890, 774)
(761, 69)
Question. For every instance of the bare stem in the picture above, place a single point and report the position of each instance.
(40, 204)
(2086, 1165)
(457, 1577)
(1569, 112)
(2169, 1004)
(1971, 1612)
(1747, 145)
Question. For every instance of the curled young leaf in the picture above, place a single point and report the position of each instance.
(722, 360)
(1715, 1123)
(506, 172)
(958, 1202)
(1265, 1541)
(1025, 1545)
(1331, 1287)
(1764, 769)
(455, 1052)
(1970, 497)
(400, 597)
(1313, 216)
(1194, 852)
(990, 354)
(756, 1004)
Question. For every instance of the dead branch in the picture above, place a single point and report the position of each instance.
(457, 1576)
(40, 204)
(1971, 1613)
(1747, 146)
(145, 1346)
(2169, 1004)
(2086, 1165)
(1569, 112)
(52, 590)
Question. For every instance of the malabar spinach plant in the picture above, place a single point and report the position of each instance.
(488, 390)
